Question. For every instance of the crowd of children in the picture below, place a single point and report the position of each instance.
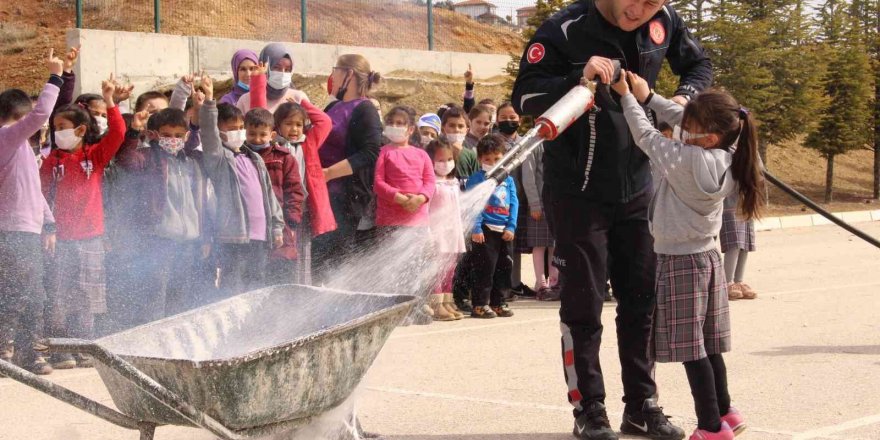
(110, 219)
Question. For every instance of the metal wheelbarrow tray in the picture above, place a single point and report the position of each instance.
(262, 362)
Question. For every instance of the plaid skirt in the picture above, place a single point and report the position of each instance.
(80, 286)
(692, 318)
(735, 233)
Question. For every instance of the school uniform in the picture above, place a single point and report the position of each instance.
(692, 319)
(735, 233)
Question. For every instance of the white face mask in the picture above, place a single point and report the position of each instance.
(443, 168)
(234, 138)
(487, 168)
(685, 136)
(456, 138)
(102, 124)
(425, 140)
(280, 80)
(66, 139)
(395, 134)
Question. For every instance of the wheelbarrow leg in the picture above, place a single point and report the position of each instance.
(148, 431)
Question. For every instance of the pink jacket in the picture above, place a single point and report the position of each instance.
(407, 170)
(22, 205)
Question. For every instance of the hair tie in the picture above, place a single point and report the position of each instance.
(743, 113)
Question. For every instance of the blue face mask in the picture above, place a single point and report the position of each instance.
(260, 147)
(244, 86)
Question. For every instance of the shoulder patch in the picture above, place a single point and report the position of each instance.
(657, 31)
(535, 53)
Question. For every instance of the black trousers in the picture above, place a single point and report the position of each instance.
(22, 298)
(492, 262)
(588, 233)
(243, 267)
(329, 249)
(152, 278)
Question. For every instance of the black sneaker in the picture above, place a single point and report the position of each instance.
(527, 292)
(464, 305)
(593, 424)
(650, 422)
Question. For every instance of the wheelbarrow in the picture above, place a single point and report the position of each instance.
(261, 363)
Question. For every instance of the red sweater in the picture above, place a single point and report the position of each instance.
(73, 190)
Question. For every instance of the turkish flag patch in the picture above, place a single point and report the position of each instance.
(535, 53)
(657, 31)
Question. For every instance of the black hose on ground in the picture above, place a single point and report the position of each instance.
(815, 207)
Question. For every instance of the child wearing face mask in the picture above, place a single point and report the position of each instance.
(428, 129)
(165, 201)
(301, 129)
(72, 178)
(455, 124)
(717, 156)
(244, 66)
(404, 176)
(446, 228)
(253, 222)
(274, 76)
(492, 235)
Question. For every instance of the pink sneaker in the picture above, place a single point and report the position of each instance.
(724, 434)
(735, 420)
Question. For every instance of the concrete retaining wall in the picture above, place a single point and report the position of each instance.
(152, 60)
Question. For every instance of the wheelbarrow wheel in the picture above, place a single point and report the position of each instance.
(148, 431)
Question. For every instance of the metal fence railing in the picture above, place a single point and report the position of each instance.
(461, 25)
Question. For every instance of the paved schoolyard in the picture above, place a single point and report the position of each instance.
(805, 365)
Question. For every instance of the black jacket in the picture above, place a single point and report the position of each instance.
(362, 145)
(596, 158)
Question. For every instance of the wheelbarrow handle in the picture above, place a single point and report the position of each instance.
(65, 395)
(140, 380)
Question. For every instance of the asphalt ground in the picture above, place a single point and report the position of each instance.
(805, 363)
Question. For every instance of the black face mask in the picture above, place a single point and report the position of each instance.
(508, 127)
(344, 87)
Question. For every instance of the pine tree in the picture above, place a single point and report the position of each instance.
(797, 72)
(845, 123)
(743, 52)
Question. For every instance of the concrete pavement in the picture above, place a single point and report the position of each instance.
(805, 365)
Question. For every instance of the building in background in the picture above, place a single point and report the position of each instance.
(479, 10)
(523, 15)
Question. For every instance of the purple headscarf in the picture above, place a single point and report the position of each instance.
(236, 93)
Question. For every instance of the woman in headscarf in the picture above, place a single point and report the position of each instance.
(244, 66)
(277, 80)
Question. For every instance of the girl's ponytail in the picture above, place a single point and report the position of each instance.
(747, 168)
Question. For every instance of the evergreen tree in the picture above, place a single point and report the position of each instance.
(743, 52)
(797, 73)
(845, 123)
